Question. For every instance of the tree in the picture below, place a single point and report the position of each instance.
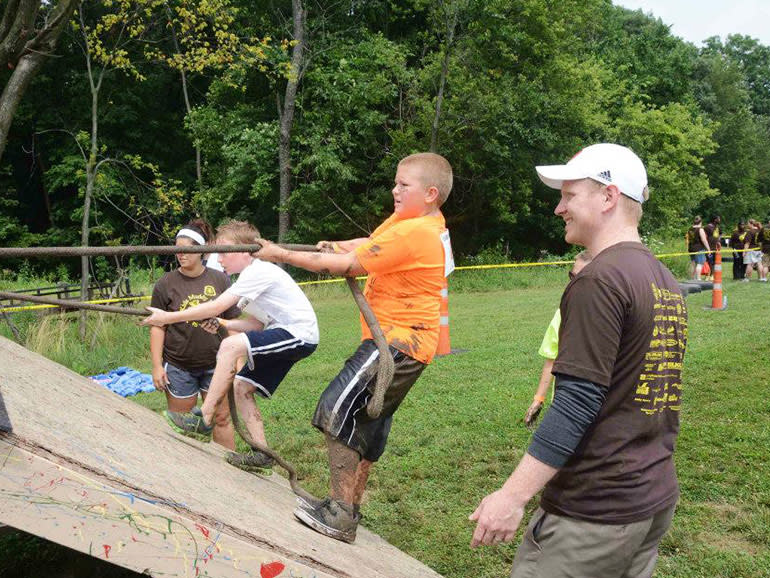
(201, 39)
(29, 32)
(449, 14)
(736, 166)
(286, 114)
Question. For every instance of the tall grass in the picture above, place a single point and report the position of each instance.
(112, 341)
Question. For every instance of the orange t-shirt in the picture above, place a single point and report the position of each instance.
(405, 262)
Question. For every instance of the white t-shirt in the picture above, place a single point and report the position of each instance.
(212, 262)
(270, 294)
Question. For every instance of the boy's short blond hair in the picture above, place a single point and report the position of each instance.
(435, 171)
(238, 232)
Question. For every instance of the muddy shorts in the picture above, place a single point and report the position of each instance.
(341, 411)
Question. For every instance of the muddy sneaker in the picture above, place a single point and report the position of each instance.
(308, 502)
(331, 518)
(255, 461)
(190, 424)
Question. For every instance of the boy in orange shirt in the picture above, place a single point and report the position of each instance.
(406, 258)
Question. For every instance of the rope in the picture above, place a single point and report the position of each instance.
(385, 363)
(243, 432)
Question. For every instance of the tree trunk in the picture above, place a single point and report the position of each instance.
(188, 107)
(451, 25)
(26, 68)
(287, 119)
(91, 168)
(90, 179)
(28, 60)
(17, 24)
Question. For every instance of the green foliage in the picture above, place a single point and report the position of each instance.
(245, 190)
(673, 141)
(528, 82)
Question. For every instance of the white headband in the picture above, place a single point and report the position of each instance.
(197, 237)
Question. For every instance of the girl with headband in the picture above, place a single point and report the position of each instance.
(184, 354)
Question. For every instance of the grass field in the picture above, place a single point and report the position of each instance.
(459, 433)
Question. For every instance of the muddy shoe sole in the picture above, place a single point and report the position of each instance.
(171, 419)
(308, 519)
(255, 463)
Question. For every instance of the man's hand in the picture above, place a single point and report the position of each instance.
(158, 317)
(498, 517)
(533, 412)
(270, 252)
(159, 378)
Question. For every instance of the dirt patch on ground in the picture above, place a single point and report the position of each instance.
(726, 540)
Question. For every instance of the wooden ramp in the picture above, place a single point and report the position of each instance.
(85, 468)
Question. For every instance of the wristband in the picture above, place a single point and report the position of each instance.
(539, 398)
(336, 247)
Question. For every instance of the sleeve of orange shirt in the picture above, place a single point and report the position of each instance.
(387, 249)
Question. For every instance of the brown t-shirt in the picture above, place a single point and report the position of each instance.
(187, 345)
(750, 239)
(694, 242)
(764, 237)
(624, 326)
(712, 235)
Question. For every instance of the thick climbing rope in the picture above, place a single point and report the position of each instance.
(256, 446)
(385, 368)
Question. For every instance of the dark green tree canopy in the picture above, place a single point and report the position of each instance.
(520, 83)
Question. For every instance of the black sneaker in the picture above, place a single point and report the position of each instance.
(254, 461)
(308, 502)
(331, 518)
(190, 424)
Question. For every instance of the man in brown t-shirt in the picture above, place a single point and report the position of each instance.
(604, 451)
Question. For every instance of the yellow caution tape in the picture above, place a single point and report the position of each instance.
(340, 280)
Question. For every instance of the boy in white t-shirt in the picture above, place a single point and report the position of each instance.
(281, 328)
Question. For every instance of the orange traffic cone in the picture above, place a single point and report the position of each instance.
(443, 333)
(718, 301)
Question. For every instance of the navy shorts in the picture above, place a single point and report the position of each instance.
(184, 384)
(341, 411)
(272, 353)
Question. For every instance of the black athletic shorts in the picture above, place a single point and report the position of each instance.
(341, 411)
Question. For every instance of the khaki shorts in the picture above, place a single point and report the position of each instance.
(752, 257)
(560, 547)
(766, 259)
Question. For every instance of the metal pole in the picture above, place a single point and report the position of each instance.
(73, 304)
(25, 252)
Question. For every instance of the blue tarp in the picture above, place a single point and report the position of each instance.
(125, 381)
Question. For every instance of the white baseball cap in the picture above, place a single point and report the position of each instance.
(606, 163)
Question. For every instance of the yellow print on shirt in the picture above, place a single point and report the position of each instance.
(196, 299)
(660, 386)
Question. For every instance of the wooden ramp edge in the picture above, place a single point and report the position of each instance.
(85, 468)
